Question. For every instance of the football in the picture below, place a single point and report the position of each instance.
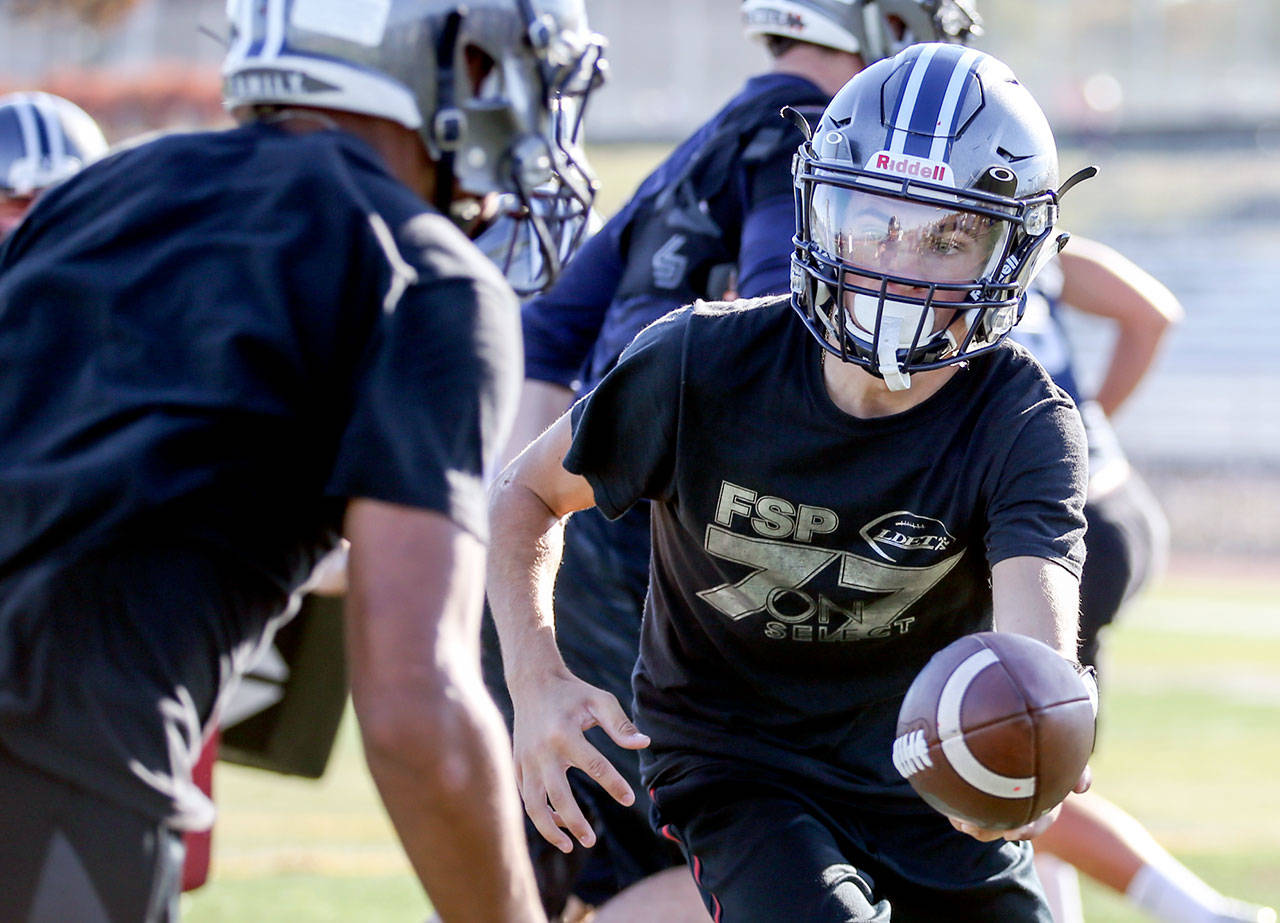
(995, 730)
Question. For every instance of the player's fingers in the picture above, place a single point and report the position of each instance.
(978, 833)
(545, 821)
(608, 714)
(567, 813)
(1035, 828)
(597, 766)
(1085, 782)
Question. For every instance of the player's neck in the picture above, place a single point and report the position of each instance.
(860, 394)
(827, 68)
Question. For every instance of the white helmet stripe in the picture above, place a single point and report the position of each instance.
(274, 40)
(950, 101)
(239, 12)
(54, 135)
(899, 132)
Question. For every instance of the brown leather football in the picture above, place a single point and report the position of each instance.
(995, 730)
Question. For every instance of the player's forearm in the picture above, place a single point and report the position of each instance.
(524, 557)
(1133, 353)
(479, 871)
(1038, 598)
(541, 404)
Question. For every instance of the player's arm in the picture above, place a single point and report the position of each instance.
(1102, 282)
(559, 329)
(433, 739)
(528, 505)
(541, 404)
(765, 248)
(1039, 598)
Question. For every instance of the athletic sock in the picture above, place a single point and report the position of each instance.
(1174, 895)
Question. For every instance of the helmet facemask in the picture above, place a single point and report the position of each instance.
(907, 275)
(889, 26)
(545, 214)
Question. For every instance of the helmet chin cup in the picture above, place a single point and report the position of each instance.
(900, 334)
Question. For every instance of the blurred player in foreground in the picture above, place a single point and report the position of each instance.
(222, 351)
(43, 140)
(839, 491)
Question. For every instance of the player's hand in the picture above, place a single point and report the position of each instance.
(548, 737)
(1028, 831)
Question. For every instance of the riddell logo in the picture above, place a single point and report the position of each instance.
(905, 164)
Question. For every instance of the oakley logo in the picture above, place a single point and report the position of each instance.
(902, 535)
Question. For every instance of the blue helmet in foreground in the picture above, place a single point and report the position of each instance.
(926, 201)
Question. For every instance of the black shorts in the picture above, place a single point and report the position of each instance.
(113, 665)
(68, 854)
(599, 604)
(1126, 545)
(761, 853)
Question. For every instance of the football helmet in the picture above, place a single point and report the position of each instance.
(926, 201)
(415, 61)
(872, 29)
(43, 139)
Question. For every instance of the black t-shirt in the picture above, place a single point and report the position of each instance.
(807, 563)
(210, 343)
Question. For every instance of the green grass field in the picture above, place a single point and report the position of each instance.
(1190, 745)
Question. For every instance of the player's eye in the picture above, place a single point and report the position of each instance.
(947, 243)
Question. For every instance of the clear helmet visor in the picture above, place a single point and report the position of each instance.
(905, 272)
(880, 236)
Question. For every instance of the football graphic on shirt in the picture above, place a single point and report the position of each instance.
(995, 730)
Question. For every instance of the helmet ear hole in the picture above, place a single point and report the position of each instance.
(480, 67)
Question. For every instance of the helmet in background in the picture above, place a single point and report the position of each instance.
(873, 29)
(43, 139)
(930, 184)
(418, 63)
